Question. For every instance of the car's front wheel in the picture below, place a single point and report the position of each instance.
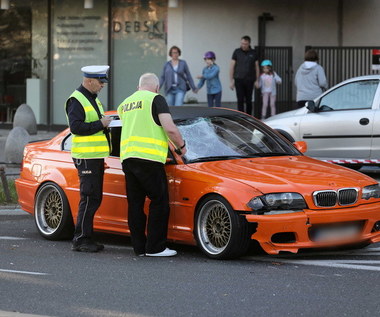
(52, 213)
(220, 232)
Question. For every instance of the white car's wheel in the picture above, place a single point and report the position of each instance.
(52, 213)
(220, 232)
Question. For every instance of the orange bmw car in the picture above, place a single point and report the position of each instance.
(239, 182)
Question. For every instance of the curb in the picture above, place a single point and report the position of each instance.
(11, 206)
(12, 211)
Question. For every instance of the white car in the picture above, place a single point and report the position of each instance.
(341, 126)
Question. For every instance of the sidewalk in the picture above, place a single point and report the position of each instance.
(12, 210)
(14, 168)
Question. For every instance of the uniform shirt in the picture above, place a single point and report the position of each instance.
(159, 105)
(76, 115)
(245, 67)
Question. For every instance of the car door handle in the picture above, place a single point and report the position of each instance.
(364, 121)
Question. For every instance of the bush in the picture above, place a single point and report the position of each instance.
(12, 190)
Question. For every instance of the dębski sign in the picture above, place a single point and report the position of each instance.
(153, 29)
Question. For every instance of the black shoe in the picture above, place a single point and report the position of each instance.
(99, 246)
(87, 247)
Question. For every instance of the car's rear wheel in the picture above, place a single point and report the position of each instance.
(220, 232)
(52, 213)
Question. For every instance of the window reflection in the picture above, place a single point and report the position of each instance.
(21, 25)
(357, 95)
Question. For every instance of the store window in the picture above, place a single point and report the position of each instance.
(21, 57)
(80, 38)
(139, 37)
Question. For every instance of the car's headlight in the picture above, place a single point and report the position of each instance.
(372, 191)
(277, 203)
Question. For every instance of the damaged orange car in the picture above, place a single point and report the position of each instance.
(239, 182)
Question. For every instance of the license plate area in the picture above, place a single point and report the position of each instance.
(335, 232)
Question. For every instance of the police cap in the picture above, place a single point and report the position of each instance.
(96, 71)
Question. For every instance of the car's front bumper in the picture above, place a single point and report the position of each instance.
(298, 226)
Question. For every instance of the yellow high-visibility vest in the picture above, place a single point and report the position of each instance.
(90, 146)
(141, 136)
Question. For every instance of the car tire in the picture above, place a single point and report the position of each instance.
(220, 232)
(52, 213)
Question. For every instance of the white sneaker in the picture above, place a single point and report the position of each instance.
(166, 252)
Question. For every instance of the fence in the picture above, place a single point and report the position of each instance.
(282, 60)
(341, 63)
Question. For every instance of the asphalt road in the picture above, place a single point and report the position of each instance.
(44, 277)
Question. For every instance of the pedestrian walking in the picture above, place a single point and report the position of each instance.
(176, 78)
(310, 79)
(210, 75)
(90, 145)
(244, 73)
(267, 82)
(147, 126)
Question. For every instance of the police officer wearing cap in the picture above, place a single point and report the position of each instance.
(90, 145)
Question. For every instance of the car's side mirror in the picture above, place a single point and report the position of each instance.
(310, 105)
(300, 146)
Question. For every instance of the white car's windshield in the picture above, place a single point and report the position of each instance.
(214, 138)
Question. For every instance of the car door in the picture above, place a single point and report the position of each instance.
(342, 128)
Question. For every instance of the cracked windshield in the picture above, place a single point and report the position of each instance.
(217, 138)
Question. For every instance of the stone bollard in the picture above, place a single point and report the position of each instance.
(25, 118)
(17, 138)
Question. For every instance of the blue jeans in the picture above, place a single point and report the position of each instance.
(214, 100)
(175, 96)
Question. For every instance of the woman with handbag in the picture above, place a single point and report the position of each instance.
(176, 78)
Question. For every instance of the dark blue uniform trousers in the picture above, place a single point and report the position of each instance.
(91, 174)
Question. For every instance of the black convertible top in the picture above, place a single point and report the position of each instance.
(191, 112)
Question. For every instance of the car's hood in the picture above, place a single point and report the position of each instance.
(287, 114)
(288, 173)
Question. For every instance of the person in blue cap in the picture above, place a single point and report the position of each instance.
(90, 145)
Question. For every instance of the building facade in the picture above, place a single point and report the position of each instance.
(44, 43)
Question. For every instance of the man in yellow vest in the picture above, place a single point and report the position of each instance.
(90, 145)
(147, 125)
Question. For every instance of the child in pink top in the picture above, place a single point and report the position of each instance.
(267, 83)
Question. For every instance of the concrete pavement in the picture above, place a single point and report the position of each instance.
(13, 170)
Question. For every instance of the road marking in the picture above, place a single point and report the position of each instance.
(11, 238)
(367, 265)
(344, 264)
(23, 272)
(4, 313)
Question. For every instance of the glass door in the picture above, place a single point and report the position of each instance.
(138, 43)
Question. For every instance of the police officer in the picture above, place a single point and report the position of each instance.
(90, 145)
(146, 127)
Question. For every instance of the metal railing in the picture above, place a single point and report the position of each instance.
(341, 63)
(282, 60)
